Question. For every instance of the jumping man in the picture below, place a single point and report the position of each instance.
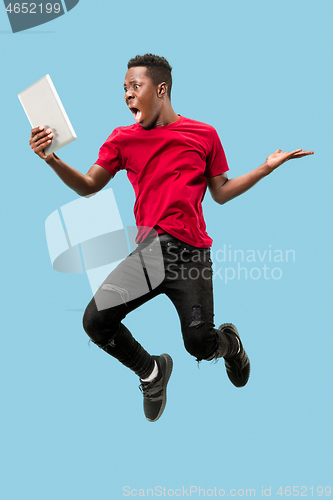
(170, 160)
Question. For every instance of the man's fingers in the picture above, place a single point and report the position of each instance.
(42, 145)
(36, 130)
(38, 133)
(302, 153)
(298, 153)
(40, 150)
(292, 153)
(42, 138)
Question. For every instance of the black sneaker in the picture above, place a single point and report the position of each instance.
(154, 392)
(237, 365)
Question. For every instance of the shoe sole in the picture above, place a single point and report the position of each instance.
(167, 375)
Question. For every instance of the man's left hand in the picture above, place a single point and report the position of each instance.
(276, 159)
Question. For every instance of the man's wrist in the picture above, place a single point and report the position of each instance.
(266, 170)
(50, 158)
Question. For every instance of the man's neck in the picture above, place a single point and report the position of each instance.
(167, 116)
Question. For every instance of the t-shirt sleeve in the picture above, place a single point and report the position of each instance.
(216, 160)
(109, 156)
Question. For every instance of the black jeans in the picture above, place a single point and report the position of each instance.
(158, 265)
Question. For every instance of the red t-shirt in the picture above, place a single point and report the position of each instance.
(167, 167)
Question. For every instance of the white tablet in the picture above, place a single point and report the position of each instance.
(43, 107)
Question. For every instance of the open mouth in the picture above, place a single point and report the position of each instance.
(137, 114)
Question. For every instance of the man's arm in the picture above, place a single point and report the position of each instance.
(83, 184)
(223, 189)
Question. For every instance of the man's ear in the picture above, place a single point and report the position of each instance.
(162, 89)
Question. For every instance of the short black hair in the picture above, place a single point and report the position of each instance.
(158, 69)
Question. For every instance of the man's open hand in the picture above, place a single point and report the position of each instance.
(276, 159)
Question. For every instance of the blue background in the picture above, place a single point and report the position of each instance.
(72, 425)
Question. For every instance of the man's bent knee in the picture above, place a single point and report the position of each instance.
(199, 342)
(199, 338)
(98, 326)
